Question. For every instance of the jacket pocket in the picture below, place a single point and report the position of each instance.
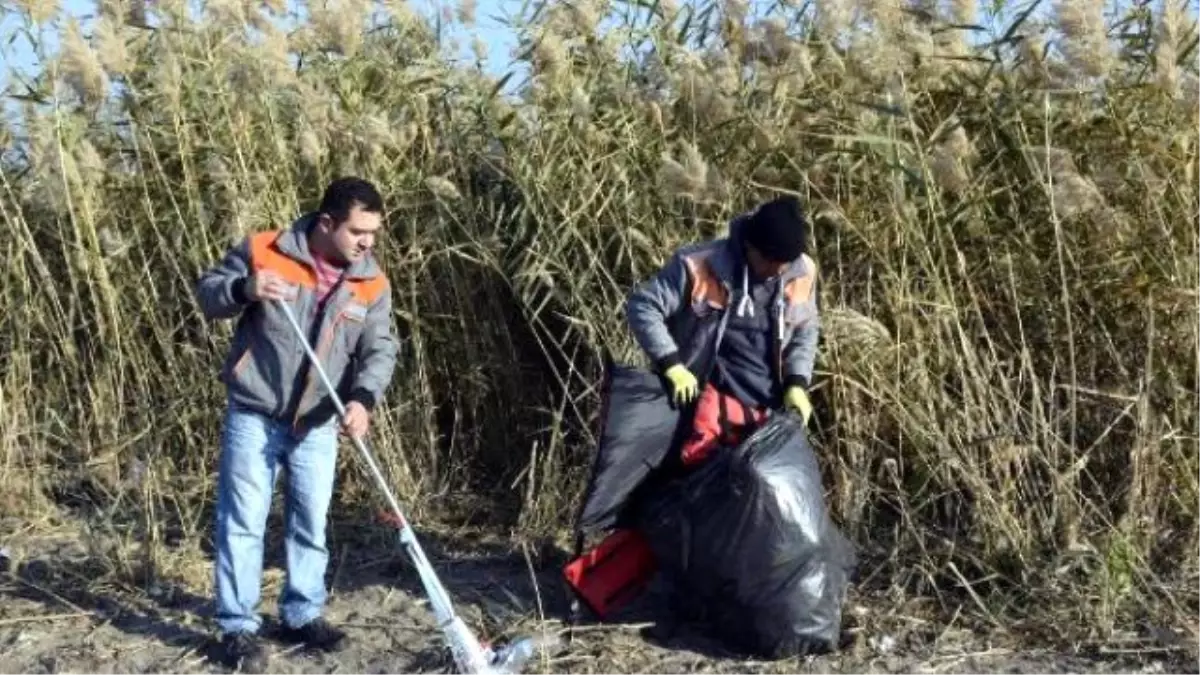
(351, 321)
(257, 377)
(250, 380)
(336, 349)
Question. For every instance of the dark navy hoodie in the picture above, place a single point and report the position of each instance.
(743, 366)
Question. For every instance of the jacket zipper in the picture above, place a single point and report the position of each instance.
(779, 307)
(322, 347)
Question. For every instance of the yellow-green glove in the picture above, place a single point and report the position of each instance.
(797, 399)
(683, 382)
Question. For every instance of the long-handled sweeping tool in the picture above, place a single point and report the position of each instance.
(469, 655)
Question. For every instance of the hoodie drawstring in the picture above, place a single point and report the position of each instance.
(746, 304)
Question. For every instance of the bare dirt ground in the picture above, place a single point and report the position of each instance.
(61, 611)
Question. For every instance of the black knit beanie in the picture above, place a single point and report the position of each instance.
(778, 229)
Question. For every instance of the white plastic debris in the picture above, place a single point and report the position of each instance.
(882, 644)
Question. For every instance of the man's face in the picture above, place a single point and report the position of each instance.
(761, 266)
(352, 238)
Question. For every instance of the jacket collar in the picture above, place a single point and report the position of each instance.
(293, 242)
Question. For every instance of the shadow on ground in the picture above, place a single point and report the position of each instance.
(70, 584)
(374, 591)
(63, 609)
(502, 589)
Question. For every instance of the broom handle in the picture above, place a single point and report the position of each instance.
(438, 597)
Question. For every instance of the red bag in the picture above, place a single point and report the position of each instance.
(613, 573)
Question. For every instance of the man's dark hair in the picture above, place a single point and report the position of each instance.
(344, 193)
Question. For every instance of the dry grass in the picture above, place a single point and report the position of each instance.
(1007, 390)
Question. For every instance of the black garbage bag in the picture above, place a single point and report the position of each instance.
(745, 538)
(639, 428)
(748, 541)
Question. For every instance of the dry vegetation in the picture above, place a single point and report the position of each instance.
(1007, 390)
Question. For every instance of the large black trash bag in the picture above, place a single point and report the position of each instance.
(639, 427)
(748, 542)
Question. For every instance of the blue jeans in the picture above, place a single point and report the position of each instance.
(253, 449)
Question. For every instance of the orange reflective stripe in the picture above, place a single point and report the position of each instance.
(368, 291)
(264, 256)
(706, 287)
(799, 290)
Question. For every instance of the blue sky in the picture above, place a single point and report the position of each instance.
(490, 16)
(490, 19)
(18, 54)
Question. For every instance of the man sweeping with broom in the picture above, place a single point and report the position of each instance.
(279, 415)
